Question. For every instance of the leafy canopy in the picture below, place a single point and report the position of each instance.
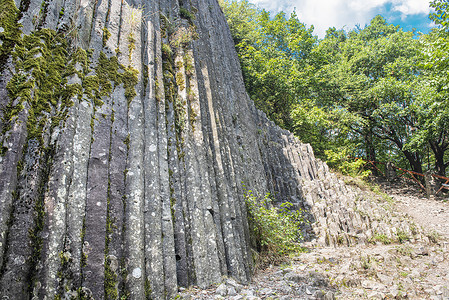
(376, 92)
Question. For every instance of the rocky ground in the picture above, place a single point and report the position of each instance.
(431, 214)
(410, 270)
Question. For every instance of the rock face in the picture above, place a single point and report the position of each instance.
(127, 143)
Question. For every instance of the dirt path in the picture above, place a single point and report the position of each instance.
(430, 214)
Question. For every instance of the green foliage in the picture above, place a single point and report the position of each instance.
(42, 54)
(365, 262)
(184, 13)
(431, 106)
(110, 281)
(440, 16)
(376, 92)
(109, 74)
(404, 250)
(403, 274)
(135, 16)
(43, 63)
(61, 12)
(341, 161)
(106, 35)
(130, 79)
(131, 44)
(148, 290)
(433, 237)
(242, 18)
(381, 238)
(311, 124)
(181, 38)
(402, 236)
(276, 231)
(11, 29)
(166, 51)
(274, 55)
(368, 89)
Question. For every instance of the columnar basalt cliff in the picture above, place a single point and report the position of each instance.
(127, 143)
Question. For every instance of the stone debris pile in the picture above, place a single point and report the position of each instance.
(401, 271)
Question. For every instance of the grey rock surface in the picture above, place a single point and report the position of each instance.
(127, 143)
(348, 277)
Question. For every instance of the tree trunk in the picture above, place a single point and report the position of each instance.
(414, 160)
(439, 151)
(369, 146)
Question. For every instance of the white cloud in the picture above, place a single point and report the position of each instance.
(274, 6)
(412, 7)
(342, 13)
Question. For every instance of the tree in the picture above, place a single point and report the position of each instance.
(274, 54)
(242, 19)
(440, 16)
(367, 84)
(432, 106)
(432, 90)
(376, 92)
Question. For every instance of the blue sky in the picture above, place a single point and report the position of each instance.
(349, 13)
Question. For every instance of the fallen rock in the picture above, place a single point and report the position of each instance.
(222, 290)
(266, 291)
(387, 280)
(295, 277)
(231, 291)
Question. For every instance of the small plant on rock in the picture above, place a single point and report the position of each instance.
(381, 238)
(433, 237)
(276, 231)
(365, 262)
(186, 14)
(402, 236)
(404, 250)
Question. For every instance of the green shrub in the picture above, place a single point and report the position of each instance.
(166, 51)
(381, 238)
(402, 236)
(186, 14)
(276, 232)
(433, 237)
(339, 160)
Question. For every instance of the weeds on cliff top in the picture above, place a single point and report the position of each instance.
(275, 231)
(341, 161)
(349, 169)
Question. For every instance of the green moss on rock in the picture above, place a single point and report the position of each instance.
(43, 64)
(106, 36)
(40, 80)
(131, 44)
(130, 79)
(9, 15)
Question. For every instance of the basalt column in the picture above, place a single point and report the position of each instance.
(121, 172)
